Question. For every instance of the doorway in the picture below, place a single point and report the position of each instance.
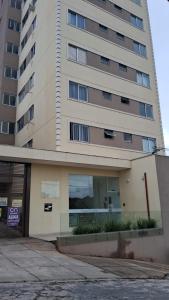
(14, 199)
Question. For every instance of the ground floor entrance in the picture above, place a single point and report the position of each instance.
(14, 199)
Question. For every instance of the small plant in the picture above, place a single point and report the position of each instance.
(126, 225)
(146, 223)
(115, 225)
(112, 226)
(87, 229)
(152, 223)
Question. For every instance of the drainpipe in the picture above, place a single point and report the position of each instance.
(147, 196)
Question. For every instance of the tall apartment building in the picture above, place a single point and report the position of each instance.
(10, 16)
(88, 107)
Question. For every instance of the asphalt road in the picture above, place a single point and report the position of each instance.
(88, 290)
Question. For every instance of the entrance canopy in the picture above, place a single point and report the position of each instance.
(25, 155)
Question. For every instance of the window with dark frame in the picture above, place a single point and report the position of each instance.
(120, 36)
(118, 8)
(103, 28)
(125, 100)
(104, 60)
(107, 95)
(128, 137)
(123, 67)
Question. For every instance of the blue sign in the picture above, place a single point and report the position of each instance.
(13, 216)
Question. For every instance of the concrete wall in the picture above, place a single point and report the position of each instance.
(132, 245)
(132, 193)
(58, 220)
(150, 245)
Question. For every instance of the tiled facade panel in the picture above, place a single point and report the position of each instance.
(93, 27)
(97, 138)
(94, 60)
(109, 7)
(96, 97)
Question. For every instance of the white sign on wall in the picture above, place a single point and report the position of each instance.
(50, 189)
(17, 203)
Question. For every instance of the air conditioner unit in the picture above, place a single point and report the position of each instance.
(109, 134)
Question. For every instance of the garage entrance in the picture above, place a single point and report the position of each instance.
(14, 199)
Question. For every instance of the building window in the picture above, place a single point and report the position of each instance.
(108, 134)
(106, 95)
(104, 60)
(128, 137)
(92, 194)
(9, 100)
(7, 127)
(125, 100)
(120, 36)
(27, 59)
(76, 20)
(79, 132)
(14, 25)
(149, 144)
(143, 79)
(136, 21)
(118, 8)
(12, 48)
(28, 34)
(26, 88)
(77, 54)
(15, 4)
(25, 17)
(29, 144)
(20, 123)
(78, 91)
(122, 68)
(30, 113)
(10, 73)
(146, 110)
(103, 28)
(139, 48)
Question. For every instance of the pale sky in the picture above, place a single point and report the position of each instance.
(159, 18)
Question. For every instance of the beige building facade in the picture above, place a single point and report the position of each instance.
(88, 110)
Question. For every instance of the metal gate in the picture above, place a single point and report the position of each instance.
(14, 199)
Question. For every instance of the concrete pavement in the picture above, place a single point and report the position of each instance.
(33, 260)
(128, 269)
(32, 269)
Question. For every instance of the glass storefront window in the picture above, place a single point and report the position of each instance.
(93, 193)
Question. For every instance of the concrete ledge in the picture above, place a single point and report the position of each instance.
(106, 236)
(148, 244)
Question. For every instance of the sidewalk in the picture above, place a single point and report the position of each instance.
(31, 260)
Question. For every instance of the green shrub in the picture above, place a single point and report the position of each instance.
(115, 225)
(127, 225)
(112, 226)
(87, 229)
(146, 223)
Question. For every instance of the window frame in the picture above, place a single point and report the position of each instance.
(80, 133)
(128, 140)
(9, 95)
(79, 85)
(76, 20)
(78, 49)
